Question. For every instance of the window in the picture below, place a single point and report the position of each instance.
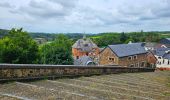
(86, 45)
(111, 59)
(143, 64)
(135, 57)
(137, 64)
(87, 53)
(130, 58)
(131, 65)
(77, 57)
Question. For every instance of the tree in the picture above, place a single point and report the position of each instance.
(18, 47)
(123, 37)
(57, 52)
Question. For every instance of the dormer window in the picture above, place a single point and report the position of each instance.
(130, 58)
(135, 57)
(86, 45)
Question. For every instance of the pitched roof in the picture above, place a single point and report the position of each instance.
(85, 44)
(84, 60)
(166, 56)
(161, 51)
(123, 50)
(165, 41)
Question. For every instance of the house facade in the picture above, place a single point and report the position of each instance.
(127, 55)
(163, 56)
(85, 47)
(151, 59)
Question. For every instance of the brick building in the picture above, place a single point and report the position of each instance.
(128, 55)
(85, 47)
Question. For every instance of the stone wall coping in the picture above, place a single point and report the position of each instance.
(37, 66)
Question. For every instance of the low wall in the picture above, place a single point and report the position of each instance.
(27, 71)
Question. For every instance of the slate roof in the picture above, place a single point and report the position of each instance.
(163, 52)
(85, 44)
(166, 56)
(84, 60)
(123, 50)
(165, 41)
(160, 51)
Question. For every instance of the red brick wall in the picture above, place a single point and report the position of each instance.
(79, 53)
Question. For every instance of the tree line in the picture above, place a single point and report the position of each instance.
(104, 39)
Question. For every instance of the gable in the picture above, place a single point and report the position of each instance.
(108, 49)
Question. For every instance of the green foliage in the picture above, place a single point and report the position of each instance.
(105, 39)
(123, 37)
(18, 47)
(57, 52)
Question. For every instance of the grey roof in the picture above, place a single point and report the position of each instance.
(85, 44)
(165, 41)
(161, 51)
(166, 56)
(84, 60)
(123, 50)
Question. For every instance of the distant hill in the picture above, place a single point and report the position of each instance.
(48, 36)
(97, 38)
(3, 32)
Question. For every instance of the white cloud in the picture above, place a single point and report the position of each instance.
(85, 15)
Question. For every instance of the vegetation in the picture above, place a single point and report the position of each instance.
(104, 39)
(57, 52)
(18, 47)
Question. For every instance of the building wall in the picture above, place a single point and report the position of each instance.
(151, 59)
(78, 53)
(26, 71)
(141, 61)
(107, 53)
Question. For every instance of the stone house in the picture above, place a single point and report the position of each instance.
(85, 47)
(127, 55)
(152, 60)
(163, 56)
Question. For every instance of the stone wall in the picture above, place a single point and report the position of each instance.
(105, 55)
(123, 61)
(26, 71)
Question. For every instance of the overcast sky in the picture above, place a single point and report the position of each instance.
(94, 16)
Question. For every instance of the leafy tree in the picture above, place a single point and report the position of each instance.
(123, 37)
(18, 47)
(57, 52)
